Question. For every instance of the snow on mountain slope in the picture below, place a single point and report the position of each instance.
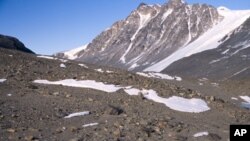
(209, 40)
(72, 54)
(144, 19)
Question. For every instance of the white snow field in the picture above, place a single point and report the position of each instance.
(193, 105)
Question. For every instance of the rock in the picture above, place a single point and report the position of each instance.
(56, 93)
(32, 87)
(212, 98)
(68, 95)
(59, 130)
(11, 130)
(213, 137)
(90, 100)
(30, 138)
(76, 139)
(117, 132)
(113, 110)
(74, 129)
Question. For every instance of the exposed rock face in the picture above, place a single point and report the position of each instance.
(13, 43)
(229, 61)
(149, 34)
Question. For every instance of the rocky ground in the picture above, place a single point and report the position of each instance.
(30, 111)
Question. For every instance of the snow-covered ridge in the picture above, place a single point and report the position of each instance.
(72, 54)
(209, 40)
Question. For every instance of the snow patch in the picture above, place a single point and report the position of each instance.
(72, 54)
(47, 57)
(166, 14)
(225, 52)
(132, 91)
(201, 134)
(159, 75)
(9, 95)
(99, 70)
(92, 84)
(62, 66)
(2, 80)
(108, 71)
(241, 71)
(133, 66)
(83, 65)
(52, 58)
(245, 98)
(78, 114)
(175, 103)
(193, 105)
(90, 124)
(234, 98)
(245, 104)
(144, 19)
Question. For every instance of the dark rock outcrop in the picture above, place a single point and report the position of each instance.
(9, 42)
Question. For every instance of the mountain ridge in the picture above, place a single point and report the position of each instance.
(153, 37)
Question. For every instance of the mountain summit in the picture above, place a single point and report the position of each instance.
(176, 3)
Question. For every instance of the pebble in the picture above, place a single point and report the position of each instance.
(68, 95)
(11, 130)
(75, 139)
(90, 100)
(117, 132)
(55, 93)
(29, 138)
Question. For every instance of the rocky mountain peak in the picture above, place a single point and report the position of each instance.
(176, 3)
(141, 5)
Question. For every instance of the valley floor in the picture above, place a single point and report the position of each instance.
(33, 111)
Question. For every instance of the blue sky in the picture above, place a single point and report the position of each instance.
(50, 26)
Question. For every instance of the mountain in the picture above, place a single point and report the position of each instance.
(8, 42)
(230, 60)
(154, 36)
